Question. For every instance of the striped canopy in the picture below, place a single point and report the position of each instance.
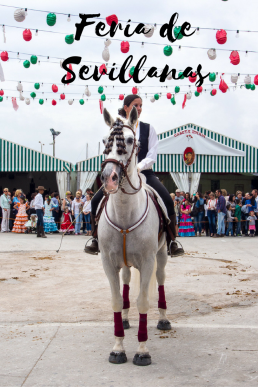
(17, 158)
(203, 163)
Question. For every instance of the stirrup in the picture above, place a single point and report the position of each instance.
(176, 241)
(90, 240)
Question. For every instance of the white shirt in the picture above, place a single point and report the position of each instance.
(87, 206)
(38, 202)
(151, 156)
(76, 206)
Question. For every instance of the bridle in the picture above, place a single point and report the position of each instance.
(125, 167)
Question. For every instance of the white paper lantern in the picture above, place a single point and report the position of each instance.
(247, 80)
(107, 42)
(19, 86)
(27, 101)
(70, 101)
(87, 92)
(150, 28)
(61, 63)
(21, 97)
(212, 54)
(152, 99)
(234, 78)
(106, 54)
(19, 15)
(169, 77)
(189, 95)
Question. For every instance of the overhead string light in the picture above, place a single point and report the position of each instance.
(237, 34)
(69, 17)
(197, 31)
(37, 33)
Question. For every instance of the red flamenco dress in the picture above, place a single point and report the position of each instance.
(20, 220)
(67, 223)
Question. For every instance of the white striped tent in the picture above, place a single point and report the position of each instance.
(17, 158)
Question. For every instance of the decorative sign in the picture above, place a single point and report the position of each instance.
(189, 156)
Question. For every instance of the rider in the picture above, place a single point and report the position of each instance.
(147, 156)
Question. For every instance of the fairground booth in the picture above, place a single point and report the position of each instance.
(193, 158)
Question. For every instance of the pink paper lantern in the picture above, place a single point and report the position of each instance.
(234, 58)
(121, 97)
(125, 46)
(256, 80)
(4, 56)
(199, 89)
(214, 92)
(27, 35)
(134, 90)
(111, 18)
(1, 92)
(221, 36)
(53, 102)
(193, 77)
(103, 69)
(54, 88)
(62, 96)
(169, 95)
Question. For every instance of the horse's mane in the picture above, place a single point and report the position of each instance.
(116, 131)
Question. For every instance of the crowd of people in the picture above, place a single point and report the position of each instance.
(216, 214)
(45, 213)
(212, 214)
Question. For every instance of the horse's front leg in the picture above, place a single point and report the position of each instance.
(163, 323)
(142, 356)
(117, 356)
(126, 276)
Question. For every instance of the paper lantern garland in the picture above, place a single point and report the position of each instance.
(192, 78)
(87, 92)
(100, 89)
(54, 102)
(51, 19)
(181, 75)
(70, 102)
(168, 50)
(54, 88)
(248, 80)
(248, 86)
(148, 30)
(62, 96)
(125, 46)
(19, 15)
(111, 18)
(69, 39)
(4, 56)
(121, 97)
(41, 101)
(134, 90)
(1, 92)
(132, 70)
(234, 78)
(81, 101)
(103, 69)
(234, 58)
(106, 54)
(26, 64)
(19, 87)
(196, 94)
(256, 80)
(103, 97)
(212, 77)
(252, 87)
(189, 95)
(177, 89)
(27, 101)
(34, 59)
(27, 35)
(173, 101)
(37, 86)
(199, 89)
(1, 98)
(152, 99)
(223, 86)
(177, 33)
(212, 53)
(169, 95)
(156, 96)
(221, 36)
(33, 95)
(213, 92)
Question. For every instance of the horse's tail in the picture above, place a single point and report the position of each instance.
(135, 283)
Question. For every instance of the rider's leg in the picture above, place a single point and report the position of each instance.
(94, 248)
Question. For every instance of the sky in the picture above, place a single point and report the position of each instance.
(233, 114)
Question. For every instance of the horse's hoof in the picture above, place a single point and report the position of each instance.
(126, 324)
(117, 357)
(164, 325)
(142, 360)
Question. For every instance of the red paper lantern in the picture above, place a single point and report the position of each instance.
(130, 76)
(256, 80)
(193, 77)
(62, 96)
(221, 36)
(111, 18)
(125, 46)
(1, 92)
(223, 86)
(69, 75)
(103, 69)
(54, 88)
(27, 35)
(121, 97)
(53, 102)
(134, 90)
(169, 95)
(234, 58)
(4, 56)
(214, 92)
(199, 89)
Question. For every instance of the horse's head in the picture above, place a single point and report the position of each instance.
(120, 149)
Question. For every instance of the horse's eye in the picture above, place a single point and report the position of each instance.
(129, 141)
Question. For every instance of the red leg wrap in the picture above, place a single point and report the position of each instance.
(119, 329)
(162, 300)
(142, 333)
(126, 297)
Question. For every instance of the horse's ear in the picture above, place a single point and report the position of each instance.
(108, 119)
(133, 116)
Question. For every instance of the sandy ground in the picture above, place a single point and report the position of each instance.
(59, 303)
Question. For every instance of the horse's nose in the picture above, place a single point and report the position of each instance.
(114, 177)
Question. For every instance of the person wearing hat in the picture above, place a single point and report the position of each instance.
(179, 197)
(39, 207)
(147, 156)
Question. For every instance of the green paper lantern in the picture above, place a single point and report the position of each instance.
(156, 96)
(33, 59)
(196, 94)
(37, 86)
(248, 87)
(252, 87)
(100, 89)
(177, 33)
(168, 50)
(177, 89)
(33, 95)
(173, 101)
(41, 101)
(1, 98)
(69, 39)
(26, 64)
(212, 77)
(181, 75)
(81, 101)
(132, 70)
(103, 97)
(51, 19)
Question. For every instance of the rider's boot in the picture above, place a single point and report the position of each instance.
(94, 247)
(173, 248)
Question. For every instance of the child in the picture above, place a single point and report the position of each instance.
(48, 219)
(238, 217)
(230, 219)
(21, 217)
(67, 223)
(251, 218)
(186, 226)
(31, 224)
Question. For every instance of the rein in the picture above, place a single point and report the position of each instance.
(125, 167)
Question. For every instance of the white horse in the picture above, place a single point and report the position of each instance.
(122, 245)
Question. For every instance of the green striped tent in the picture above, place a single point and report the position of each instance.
(203, 163)
(17, 158)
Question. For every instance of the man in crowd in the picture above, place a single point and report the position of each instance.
(221, 209)
(39, 207)
(179, 197)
